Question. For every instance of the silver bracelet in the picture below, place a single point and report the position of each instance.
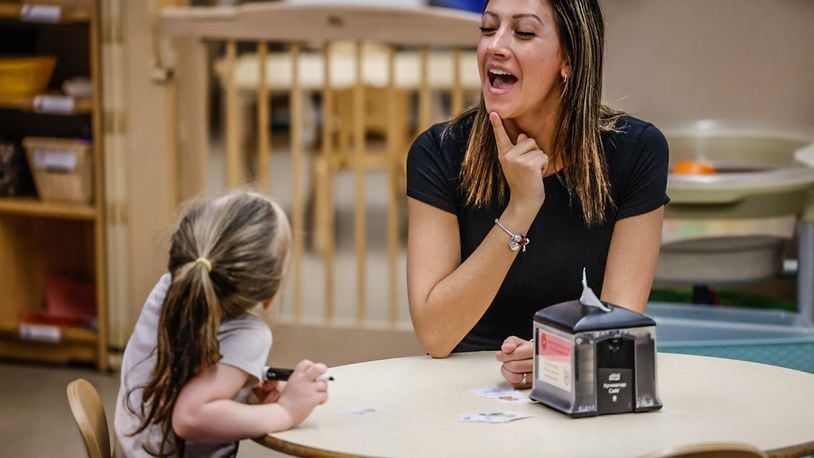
(517, 241)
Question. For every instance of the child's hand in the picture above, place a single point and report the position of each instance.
(303, 391)
(267, 392)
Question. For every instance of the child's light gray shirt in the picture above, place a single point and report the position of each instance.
(244, 343)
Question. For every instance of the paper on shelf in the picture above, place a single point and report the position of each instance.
(40, 13)
(40, 332)
(54, 104)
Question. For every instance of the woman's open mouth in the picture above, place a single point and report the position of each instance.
(500, 80)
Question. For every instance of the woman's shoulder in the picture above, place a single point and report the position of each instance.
(434, 163)
(633, 140)
(632, 130)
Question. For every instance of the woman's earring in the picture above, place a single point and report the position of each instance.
(564, 79)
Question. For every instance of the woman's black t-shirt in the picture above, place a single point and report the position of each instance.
(550, 271)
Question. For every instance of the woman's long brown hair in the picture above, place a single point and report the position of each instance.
(581, 120)
(246, 239)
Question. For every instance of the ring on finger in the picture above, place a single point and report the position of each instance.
(523, 380)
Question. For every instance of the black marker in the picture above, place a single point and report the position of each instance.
(276, 373)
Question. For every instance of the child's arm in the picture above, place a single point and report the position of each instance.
(206, 412)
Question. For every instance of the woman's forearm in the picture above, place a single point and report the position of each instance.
(455, 303)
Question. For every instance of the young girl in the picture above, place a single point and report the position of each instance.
(197, 351)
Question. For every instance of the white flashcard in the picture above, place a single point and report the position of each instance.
(502, 394)
(361, 411)
(493, 417)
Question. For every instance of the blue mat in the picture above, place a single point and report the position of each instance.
(763, 336)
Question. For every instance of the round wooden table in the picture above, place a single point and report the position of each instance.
(420, 400)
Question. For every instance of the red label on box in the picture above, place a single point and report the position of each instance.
(554, 360)
(552, 346)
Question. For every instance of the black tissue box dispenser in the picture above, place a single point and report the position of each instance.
(594, 361)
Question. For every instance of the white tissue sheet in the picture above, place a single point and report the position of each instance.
(588, 296)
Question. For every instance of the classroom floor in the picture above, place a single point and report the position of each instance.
(36, 422)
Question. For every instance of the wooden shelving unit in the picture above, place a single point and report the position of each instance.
(40, 239)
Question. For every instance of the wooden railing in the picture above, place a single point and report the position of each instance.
(299, 50)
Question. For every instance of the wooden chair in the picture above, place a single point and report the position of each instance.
(710, 450)
(89, 414)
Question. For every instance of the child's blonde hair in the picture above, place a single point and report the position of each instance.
(227, 255)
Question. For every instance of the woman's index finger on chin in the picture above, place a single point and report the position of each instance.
(504, 143)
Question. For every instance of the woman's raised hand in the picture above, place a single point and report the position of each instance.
(523, 165)
(303, 391)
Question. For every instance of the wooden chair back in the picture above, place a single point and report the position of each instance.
(89, 415)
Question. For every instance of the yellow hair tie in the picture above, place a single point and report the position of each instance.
(206, 263)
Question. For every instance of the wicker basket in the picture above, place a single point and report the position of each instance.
(25, 76)
(61, 167)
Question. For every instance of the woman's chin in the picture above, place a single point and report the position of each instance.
(502, 111)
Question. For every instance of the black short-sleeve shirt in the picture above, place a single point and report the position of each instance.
(550, 271)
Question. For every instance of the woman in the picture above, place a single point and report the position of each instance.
(511, 200)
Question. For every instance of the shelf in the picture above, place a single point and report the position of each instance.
(68, 334)
(81, 106)
(12, 11)
(74, 344)
(33, 207)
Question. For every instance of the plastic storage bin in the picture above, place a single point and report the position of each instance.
(61, 168)
(475, 6)
(764, 336)
(25, 76)
(70, 299)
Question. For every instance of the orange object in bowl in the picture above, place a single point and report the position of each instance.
(688, 167)
(25, 76)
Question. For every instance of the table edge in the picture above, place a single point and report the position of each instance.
(804, 449)
(280, 445)
(290, 448)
